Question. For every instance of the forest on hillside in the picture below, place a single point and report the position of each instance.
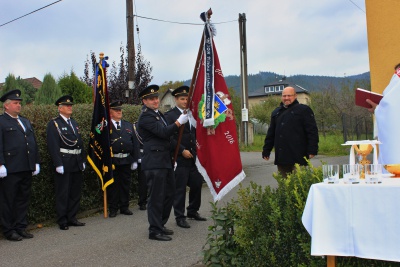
(312, 83)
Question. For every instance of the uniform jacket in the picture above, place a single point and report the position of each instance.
(18, 149)
(139, 140)
(156, 137)
(124, 141)
(294, 134)
(62, 136)
(188, 140)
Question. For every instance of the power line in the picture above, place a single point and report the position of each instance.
(30, 13)
(187, 23)
(357, 6)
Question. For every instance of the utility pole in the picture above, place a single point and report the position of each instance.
(131, 50)
(244, 84)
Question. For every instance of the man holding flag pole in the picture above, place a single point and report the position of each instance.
(210, 109)
(157, 162)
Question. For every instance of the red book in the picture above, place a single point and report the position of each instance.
(362, 95)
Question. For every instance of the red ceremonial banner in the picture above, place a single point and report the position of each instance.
(218, 155)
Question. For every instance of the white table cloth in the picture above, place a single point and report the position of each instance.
(361, 220)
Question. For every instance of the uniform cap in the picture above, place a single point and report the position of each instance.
(65, 100)
(151, 90)
(181, 91)
(11, 95)
(116, 105)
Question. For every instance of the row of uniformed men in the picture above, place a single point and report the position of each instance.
(19, 160)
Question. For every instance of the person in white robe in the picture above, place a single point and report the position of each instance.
(387, 126)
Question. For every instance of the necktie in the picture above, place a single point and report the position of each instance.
(118, 126)
(20, 125)
(70, 124)
(158, 113)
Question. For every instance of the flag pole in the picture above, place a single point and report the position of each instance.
(194, 78)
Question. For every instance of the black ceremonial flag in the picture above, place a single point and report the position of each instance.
(99, 152)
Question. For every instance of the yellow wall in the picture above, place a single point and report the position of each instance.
(383, 28)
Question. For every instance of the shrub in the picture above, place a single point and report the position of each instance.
(42, 203)
(263, 227)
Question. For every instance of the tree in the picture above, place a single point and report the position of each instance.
(30, 91)
(87, 79)
(262, 112)
(12, 83)
(237, 107)
(169, 85)
(118, 79)
(49, 92)
(71, 85)
(142, 75)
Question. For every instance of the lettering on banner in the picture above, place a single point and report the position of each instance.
(229, 137)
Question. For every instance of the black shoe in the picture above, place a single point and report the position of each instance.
(127, 212)
(142, 207)
(25, 234)
(182, 223)
(64, 227)
(196, 216)
(14, 237)
(167, 231)
(113, 213)
(76, 223)
(159, 237)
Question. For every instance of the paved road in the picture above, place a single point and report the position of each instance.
(123, 240)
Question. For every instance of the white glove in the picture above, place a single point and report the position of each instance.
(134, 166)
(60, 169)
(3, 171)
(84, 166)
(183, 118)
(175, 165)
(37, 170)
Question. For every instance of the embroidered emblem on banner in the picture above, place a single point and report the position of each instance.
(101, 125)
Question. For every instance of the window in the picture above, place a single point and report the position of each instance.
(269, 89)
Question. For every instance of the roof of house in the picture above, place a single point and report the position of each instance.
(36, 83)
(261, 91)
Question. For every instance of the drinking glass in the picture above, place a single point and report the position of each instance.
(330, 173)
(373, 173)
(351, 173)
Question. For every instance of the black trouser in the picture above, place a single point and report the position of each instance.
(284, 170)
(142, 186)
(161, 185)
(68, 187)
(187, 176)
(118, 191)
(15, 192)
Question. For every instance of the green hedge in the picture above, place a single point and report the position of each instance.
(42, 203)
(263, 227)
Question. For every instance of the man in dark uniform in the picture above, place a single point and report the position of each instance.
(157, 162)
(124, 148)
(142, 184)
(65, 146)
(186, 173)
(19, 160)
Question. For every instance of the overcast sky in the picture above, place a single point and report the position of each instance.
(313, 37)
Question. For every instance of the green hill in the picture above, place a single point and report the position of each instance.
(310, 82)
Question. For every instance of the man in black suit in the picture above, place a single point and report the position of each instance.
(19, 160)
(186, 173)
(157, 162)
(65, 146)
(124, 158)
(142, 185)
